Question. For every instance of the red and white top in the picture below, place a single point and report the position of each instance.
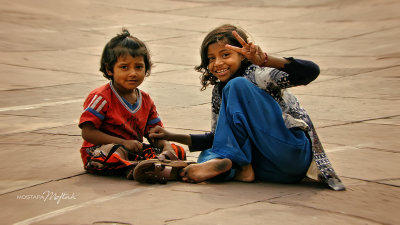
(113, 115)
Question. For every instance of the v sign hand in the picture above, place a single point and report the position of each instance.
(249, 50)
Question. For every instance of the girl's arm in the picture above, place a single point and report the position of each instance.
(196, 142)
(159, 133)
(301, 72)
(274, 62)
(91, 134)
(297, 71)
(201, 142)
(294, 73)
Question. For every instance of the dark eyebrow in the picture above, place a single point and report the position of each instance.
(225, 50)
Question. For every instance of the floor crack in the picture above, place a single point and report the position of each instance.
(45, 182)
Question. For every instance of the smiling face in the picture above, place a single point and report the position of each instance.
(223, 62)
(128, 73)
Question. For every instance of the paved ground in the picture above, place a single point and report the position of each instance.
(49, 54)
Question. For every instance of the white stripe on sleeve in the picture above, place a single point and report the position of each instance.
(95, 102)
(92, 100)
(101, 106)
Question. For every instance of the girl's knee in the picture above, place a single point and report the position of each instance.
(239, 84)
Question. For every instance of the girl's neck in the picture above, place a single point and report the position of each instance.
(129, 95)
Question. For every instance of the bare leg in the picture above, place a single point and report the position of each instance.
(196, 173)
(245, 174)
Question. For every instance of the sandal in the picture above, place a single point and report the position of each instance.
(153, 171)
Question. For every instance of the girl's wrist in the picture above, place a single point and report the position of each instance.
(169, 137)
(264, 64)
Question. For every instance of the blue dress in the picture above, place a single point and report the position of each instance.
(256, 120)
(251, 129)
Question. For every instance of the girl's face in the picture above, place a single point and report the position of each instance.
(128, 74)
(223, 62)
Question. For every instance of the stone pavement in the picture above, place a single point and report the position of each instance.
(49, 59)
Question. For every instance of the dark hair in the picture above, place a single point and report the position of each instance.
(121, 45)
(224, 35)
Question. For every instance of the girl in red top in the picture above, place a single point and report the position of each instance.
(117, 115)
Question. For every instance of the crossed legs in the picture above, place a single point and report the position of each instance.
(250, 122)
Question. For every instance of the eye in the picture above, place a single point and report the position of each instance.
(139, 67)
(226, 55)
(210, 59)
(123, 67)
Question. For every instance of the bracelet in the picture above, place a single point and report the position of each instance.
(264, 64)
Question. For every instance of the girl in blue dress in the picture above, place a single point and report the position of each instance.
(259, 130)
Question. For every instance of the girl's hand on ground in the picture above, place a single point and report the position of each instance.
(133, 145)
(249, 50)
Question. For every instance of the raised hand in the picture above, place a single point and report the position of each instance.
(249, 50)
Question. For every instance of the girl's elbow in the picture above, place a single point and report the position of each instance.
(85, 135)
(87, 130)
(313, 72)
(316, 70)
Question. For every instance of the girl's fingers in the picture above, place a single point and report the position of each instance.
(155, 135)
(240, 39)
(260, 52)
(234, 48)
(253, 49)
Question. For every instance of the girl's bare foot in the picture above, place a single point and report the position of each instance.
(245, 174)
(195, 173)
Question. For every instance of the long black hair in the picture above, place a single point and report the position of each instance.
(221, 34)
